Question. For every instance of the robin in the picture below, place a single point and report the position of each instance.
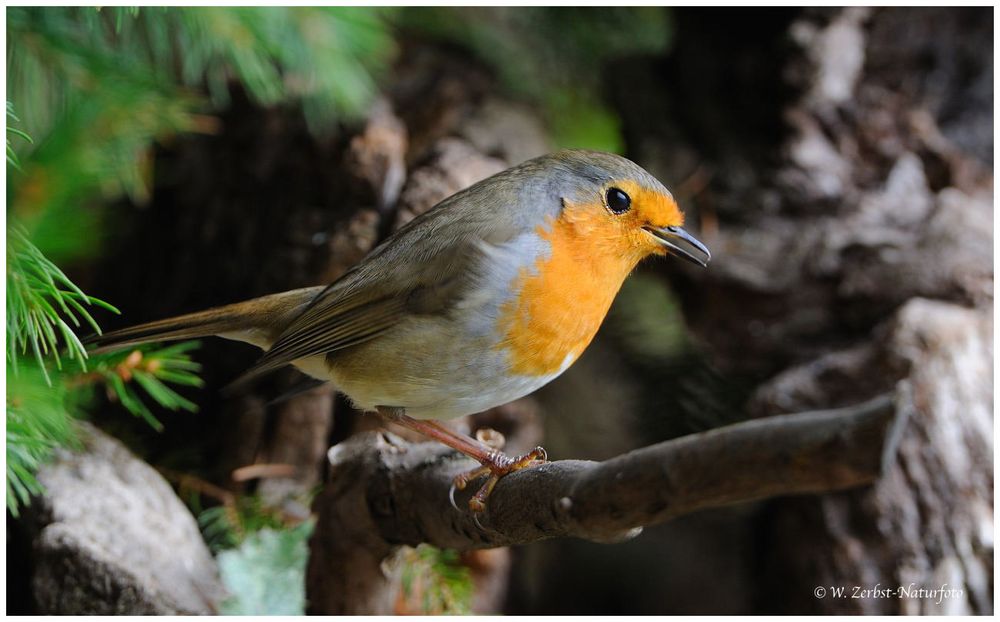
(483, 299)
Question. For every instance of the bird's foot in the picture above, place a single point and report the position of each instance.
(484, 449)
(495, 465)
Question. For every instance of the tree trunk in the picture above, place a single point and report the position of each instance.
(840, 167)
(837, 162)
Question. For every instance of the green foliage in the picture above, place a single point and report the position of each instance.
(265, 574)
(43, 403)
(40, 300)
(227, 526)
(126, 375)
(43, 308)
(554, 56)
(37, 423)
(98, 87)
(324, 57)
(435, 582)
(11, 119)
(94, 107)
(261, 552)
(262, 562)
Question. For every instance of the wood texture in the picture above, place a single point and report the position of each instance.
(386, 492)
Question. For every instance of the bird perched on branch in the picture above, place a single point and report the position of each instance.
(488, 296)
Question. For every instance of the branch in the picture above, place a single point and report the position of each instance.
(385, 492)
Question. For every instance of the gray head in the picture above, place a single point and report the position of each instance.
(611, 199)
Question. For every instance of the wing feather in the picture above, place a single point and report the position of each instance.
(423, 268)
(331, 328)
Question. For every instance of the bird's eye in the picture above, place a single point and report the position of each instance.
(618, 201)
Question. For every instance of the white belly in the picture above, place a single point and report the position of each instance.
(455, 377)
(448, 405)
(446, 365)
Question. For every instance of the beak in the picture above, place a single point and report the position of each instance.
(682, 244)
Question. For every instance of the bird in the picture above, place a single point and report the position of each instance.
(486, 297)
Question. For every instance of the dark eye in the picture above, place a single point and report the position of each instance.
(618, 201)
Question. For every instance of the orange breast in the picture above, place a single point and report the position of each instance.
(562, 300)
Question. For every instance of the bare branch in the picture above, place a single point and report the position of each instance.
(386, 492)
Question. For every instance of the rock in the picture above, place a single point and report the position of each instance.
(376, 158)
(111, 537)
(937, 493)
(452, 164)
(506, 130)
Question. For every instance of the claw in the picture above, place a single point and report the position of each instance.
(462, 479)
(475, 519)
(478, 501)
(541, 456)
(496, 465)
(451, 497)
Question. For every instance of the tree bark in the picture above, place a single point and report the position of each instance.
(837, 163)
(846, 195)
(386, 493)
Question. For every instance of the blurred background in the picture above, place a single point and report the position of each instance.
(838, 162)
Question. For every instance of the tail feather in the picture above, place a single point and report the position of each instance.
(256, 321)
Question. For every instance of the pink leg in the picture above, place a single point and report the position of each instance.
(495, 463)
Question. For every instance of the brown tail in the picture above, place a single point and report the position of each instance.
(257, 321)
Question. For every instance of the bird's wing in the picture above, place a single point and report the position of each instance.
(422, 269)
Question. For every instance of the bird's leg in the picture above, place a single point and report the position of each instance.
(499, 465)
(471, 447)
(495, 463)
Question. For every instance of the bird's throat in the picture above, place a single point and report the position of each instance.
(560, 301)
